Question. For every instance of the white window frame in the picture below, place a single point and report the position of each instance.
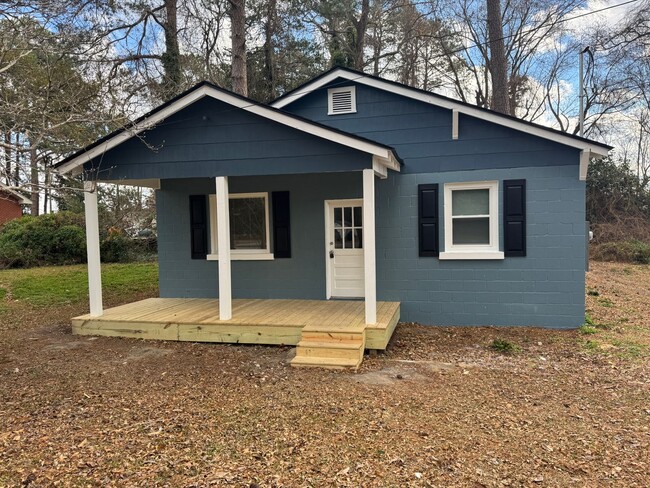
(472, 251)
(353, 99)
(240, 254)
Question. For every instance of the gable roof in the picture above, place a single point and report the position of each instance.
(596, 148)
(382, 154)
(22, 199)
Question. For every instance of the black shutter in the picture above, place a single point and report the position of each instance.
(198, 226)
(428, 219)
(281, 225)
(514, 217)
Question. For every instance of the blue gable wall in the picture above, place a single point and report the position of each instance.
(421, 133)
(210, 138)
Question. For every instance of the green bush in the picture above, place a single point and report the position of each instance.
(61, 239)
(48, 239)
(633, 251)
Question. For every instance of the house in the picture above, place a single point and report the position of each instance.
(347, 204)
(11, 203)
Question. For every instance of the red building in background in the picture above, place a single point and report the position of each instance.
(11, 204)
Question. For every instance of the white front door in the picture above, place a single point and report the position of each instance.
(344, 246)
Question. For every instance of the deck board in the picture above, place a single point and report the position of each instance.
(257, 321)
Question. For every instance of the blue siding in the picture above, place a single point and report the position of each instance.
(545, 288)
(301, 276)
(211, 138)
(421, 134)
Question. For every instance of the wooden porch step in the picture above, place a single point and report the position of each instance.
(328, 363)
(316, 349)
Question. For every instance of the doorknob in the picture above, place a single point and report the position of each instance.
(331, 254)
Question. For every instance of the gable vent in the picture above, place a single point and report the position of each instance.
(341, 100)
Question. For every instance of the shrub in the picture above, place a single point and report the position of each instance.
(115, 248)
(504, 346)
(48, 239)
(633, 251)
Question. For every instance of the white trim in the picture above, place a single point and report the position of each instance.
(92, 247)
(369, 252)
(235, 256)
(470, 255)
(584, 164)
(342, 89)
(329, 245)
(439, 101)
(383, 153)
(454, 124)
(472, 249)
(223, 239)
(239, 254)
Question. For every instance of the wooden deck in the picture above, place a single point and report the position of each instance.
(332, 332)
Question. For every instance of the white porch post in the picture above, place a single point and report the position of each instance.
(369, 252)
(92, 247)
(223, 246)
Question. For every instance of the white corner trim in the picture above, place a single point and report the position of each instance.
(584, 164)
(444, 103)
(454, 124)
(244, 256)
(471, 255)
(369, 251)
(247, 105)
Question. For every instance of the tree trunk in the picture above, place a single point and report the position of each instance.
(171, 58)
(498, 63)
(33, 163)
(238, 40)
(7, 151)
(269, 49)
(361, 26)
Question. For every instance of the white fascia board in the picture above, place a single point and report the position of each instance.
(443, 103)
(284, 119)
(154, 184)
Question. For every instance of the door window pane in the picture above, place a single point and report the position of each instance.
(470, 202)
(338, 217)
(358, 238)
(471, 231)
(357, 217)
(347, 213)
(247, 223)
(338, 239)
(348, 238)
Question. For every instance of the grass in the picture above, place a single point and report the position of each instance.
(504, 346)
(51, 286)
(587, 329)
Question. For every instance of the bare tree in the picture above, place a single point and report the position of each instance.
(498, 63)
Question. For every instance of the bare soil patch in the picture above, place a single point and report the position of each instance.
(440, 408)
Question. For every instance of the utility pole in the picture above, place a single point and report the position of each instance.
(582, 90)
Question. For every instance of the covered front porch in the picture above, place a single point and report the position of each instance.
(327, 333)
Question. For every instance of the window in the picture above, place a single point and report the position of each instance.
(472, 221)
(341, 100)
(249, 226)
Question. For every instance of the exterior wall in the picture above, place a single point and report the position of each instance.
(545, 288)
(211, 138)
(301, 276)
(10, 209)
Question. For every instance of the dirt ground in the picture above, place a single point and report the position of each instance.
(440, 408)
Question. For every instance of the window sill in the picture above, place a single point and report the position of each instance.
(457, 255)
(244, 256)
